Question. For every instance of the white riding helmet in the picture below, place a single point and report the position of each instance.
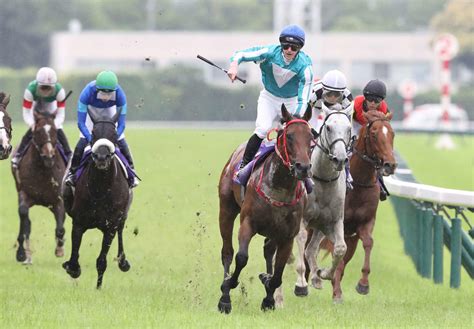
(46, 77)
(334, 80)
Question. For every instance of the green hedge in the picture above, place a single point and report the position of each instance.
(180, 93)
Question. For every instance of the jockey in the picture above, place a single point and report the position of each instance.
(372, 99)
(286, 75)
(104, 97)
(47, 88)
(332, 90)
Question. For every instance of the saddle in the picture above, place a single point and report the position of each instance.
(128, 172)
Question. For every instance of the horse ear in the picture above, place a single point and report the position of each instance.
(6, 100)
(117, 115)
(389, 116)
(325, 109)
(91, 115)
(285, 115)
(308, 113)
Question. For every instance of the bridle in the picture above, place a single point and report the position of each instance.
(40, 146)
(282, 142)
(327, 148)
(8, 130)
(373, 159)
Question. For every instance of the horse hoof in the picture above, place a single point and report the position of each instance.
(268, 304)
(59, 252)
(225, 305)
(361, 289)
(337, 300)
(20, 256)
(74, 273)
(124, 265)
(301, 291)
(317, 283)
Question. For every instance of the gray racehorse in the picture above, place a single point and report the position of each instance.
(324, 215)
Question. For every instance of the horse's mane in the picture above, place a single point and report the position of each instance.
(372, 116)
(2, 96)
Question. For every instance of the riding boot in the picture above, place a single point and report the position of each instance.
(22, 148)
(250, 150)
(349, 179)
(383, 190)
(123, 146)
(63, 140)
(76, 161)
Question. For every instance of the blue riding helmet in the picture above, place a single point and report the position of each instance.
(293, 34)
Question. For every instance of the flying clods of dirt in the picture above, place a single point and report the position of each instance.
(135, 231)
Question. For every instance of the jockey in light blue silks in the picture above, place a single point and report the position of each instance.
(102, 97)
(286, 75)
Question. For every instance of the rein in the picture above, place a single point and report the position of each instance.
(285, 158)
(373, 160)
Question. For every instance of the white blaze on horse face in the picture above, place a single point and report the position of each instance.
(385, 131)
(3, 132)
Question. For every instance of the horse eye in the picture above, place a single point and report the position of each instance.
(329, 128)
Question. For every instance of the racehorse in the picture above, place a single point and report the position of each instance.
(324, 214)
(101, 199)
(373, 156)
(38, 182)
(272, 205)
(5, 127)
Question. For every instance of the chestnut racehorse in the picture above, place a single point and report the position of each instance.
(272, 205)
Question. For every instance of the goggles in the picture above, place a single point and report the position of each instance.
(373, 99)
(105, 90)
(293, 47)
(332, 96)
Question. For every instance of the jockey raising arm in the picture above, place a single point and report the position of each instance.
(47, 88)
(372, 99)
(103, 98)
(286, 75)
(332, 90)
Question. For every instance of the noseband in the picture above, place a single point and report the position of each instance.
(281, 141)
(7, 129)
(327, 149)
(374, 160)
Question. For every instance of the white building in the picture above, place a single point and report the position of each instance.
(391, 57)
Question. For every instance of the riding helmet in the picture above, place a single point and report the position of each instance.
(293, 34)
(106, 80)
(334, 80)
(375, 88)
(46, 77)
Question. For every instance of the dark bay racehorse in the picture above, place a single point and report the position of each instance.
(5, 127)
(38, 182)
(101, 200)
(273, 206)
(373, 155)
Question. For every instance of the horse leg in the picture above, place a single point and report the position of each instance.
(72, 266)
(245, 235)
(269, 249)
(337, 238)
(227, 213)
(101, 262)
(365, 234)
(123, 263)
(351, 243)
(59, 216)
(301, 286)
(23, 253)
(311, 254)
(272, 282)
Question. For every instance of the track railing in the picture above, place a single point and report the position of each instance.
(430, 218)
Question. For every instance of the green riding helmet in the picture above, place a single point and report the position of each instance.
(106, 80)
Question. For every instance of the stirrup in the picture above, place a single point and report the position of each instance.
(15, 162)
(69, 181)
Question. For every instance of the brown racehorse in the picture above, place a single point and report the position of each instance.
(38, 182)
(5, 127)
(373, 156)
(272, 206)
(101, 200)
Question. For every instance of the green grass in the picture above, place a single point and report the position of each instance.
(176, 270)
